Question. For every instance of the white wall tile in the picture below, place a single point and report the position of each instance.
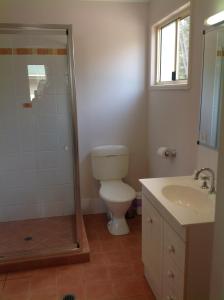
(47, 177)
(8, 122)
(28, 160)
(28, 141)
(47, 160)
(63, 104)
(19, 212)
(47, 142)
(36, 170)
(17, 195)
(9, 143)
(6, 72)
(11, 179)
(65, 176)
(17, 201)
(47, 123)
(46, 104)
(51, 209)
(6, 41)
(10, 162)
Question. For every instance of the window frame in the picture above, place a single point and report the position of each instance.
(176, 16)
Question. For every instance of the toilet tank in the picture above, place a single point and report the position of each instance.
(109, 162)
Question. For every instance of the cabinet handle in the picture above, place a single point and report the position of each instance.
(149, 220)
(170, 274)
(171, 249)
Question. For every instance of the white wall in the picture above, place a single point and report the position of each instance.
(110, 53)
(173, 120)
(208, 8)
(172, 114)
(207, 157)
(217, 280)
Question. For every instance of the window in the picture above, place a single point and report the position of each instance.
(37, 80)
(172, 51)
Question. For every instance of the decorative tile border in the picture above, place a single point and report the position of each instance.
(33, 51)
(5, 51)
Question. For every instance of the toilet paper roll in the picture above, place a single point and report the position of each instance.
(163, 152)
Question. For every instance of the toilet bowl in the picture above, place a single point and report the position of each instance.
(110, 166)
(118, 197)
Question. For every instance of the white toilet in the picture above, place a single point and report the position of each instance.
(110, 165)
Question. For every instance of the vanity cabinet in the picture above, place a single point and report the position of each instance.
(176, 258)
(152, 244)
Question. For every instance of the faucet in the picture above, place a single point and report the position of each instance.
(212, 187)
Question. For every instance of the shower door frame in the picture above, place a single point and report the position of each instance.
(27, 259)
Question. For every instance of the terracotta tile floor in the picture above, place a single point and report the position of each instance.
(54, 232)
(115, 271)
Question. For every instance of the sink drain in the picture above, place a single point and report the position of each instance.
(28, 238)
(69, 297)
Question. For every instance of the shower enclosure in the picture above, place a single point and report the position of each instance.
(39, 176)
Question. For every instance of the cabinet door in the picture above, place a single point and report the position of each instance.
(152, 245)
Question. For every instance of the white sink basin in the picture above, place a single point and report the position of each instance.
(187, 196)
(181, 197)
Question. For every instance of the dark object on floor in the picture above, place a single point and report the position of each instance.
(132, 211)
(28, 238)
(69, 297)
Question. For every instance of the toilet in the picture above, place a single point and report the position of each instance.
(109, 166)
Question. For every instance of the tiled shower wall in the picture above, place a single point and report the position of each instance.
(36, 160)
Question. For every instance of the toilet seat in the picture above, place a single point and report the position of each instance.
(116, 191)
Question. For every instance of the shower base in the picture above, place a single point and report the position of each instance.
(41, 242)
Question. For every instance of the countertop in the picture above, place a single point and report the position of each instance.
(184, 215)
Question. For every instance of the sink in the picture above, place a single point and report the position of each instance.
(188, 197)
(182, 198)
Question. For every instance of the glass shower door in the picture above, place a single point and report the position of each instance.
(36, 144)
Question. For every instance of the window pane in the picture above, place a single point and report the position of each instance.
(37, 80)
(183, 48)
(167, 60)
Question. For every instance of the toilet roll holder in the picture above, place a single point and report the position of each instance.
(170, 153)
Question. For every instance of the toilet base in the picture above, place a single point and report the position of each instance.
(118, 226)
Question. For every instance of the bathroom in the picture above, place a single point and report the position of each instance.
(117, 103)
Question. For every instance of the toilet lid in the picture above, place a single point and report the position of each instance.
(116, 191)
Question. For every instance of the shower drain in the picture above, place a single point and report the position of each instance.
(69, 297)
(28, 238)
